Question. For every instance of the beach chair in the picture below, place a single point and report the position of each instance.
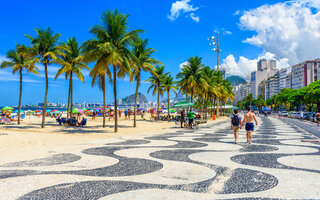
(63, 120)
(83, 122)
(22, 117)
(73, 122)
(59, 121)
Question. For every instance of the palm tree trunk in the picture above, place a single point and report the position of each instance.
(191, 100)
(135, 102)
(218, 111)
(45, 96)
(168, 106)
(19, 106)
(104, 101)
(69, 93)
(158, 112)
(115, 99)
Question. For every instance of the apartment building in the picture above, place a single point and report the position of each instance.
(305, 73)
(265, 69)
(282, 79)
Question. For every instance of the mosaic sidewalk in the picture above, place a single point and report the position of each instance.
(282, 163)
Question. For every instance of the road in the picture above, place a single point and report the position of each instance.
(306, 125)
(282, 163)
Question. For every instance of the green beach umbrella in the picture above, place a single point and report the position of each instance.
(182, 104)
(172, 111)
(7, 108)
(75, 110)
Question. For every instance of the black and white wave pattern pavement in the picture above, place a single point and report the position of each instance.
(180, 164)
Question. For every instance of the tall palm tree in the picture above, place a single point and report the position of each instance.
(168, 85)
(72, 65)
(192, 78)
(156, 80)
(111, 47)
(20, 60)
(46, 48)
(142, 61)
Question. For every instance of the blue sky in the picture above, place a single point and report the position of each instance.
(175, 39)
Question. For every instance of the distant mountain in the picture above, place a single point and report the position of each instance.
(236, 80)
(130, 99)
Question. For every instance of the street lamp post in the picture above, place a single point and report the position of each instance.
(214, 41)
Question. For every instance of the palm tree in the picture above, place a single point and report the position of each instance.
(192, 78)
(72, 65)
(20, 60)
(141, 56)
(156, 80)
(168, 85)
(46, 48)
(249, 99)
(110, 47)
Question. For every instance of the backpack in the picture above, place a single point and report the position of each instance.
(235, 120)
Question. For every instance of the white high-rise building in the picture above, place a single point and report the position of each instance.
(265, 69)
(283, 79)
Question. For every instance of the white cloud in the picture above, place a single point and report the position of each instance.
(194, 17)
(245, 66)
(8, 76)
(182, 6)
(228, 32)
(183, 64)
(288, 30)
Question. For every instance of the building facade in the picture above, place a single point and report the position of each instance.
(262, 89)
(305, 73)
(265, 69)
(282, 79)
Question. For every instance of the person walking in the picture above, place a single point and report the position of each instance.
(190, 117)
(182, 118)
(125, 114)
(318, 118)
(235, 125)
(249, 117)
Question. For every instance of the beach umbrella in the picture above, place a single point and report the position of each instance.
(75, 110)
(107, 106)
(16, 111)
(172, 111)
(83, 109)
(7, 108)
(267, 109)
(54, 110)
(182, 104)
(48, 110)
(38, 111)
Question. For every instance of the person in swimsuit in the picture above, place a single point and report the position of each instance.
(249, 117)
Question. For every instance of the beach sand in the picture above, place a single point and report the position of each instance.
(29, 141)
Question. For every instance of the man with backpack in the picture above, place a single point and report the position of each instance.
(235, 124)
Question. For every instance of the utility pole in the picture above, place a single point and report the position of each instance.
(214, 41)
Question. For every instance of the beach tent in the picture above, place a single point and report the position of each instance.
(183, 104)
(7, 108)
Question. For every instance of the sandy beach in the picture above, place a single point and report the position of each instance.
(29, 141)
